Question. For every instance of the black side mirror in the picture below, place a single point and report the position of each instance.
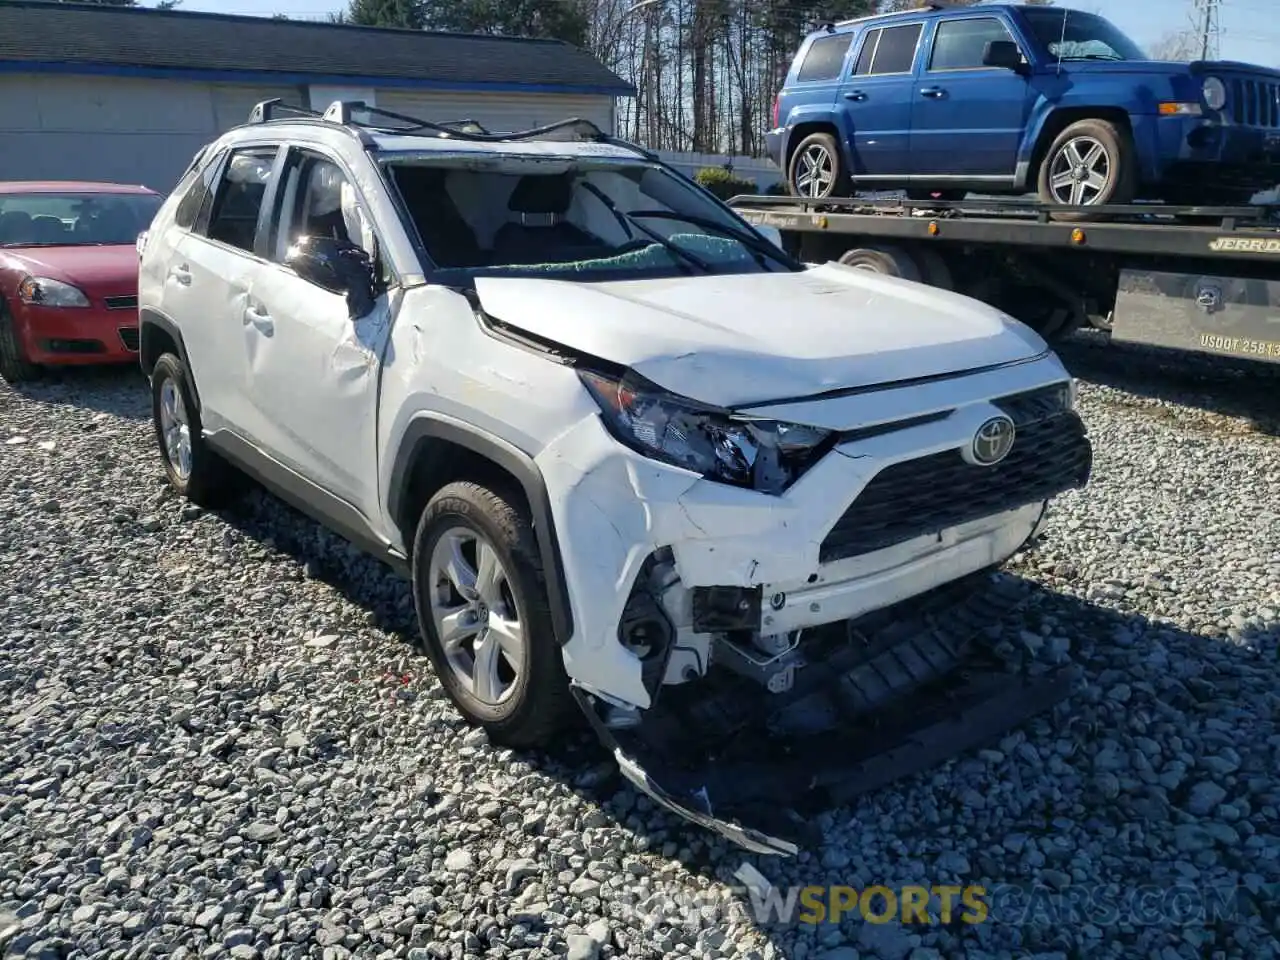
(1002, 53)
(337, 267)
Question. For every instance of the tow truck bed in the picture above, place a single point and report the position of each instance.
(1198, 278)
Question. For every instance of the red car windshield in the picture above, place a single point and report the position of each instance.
(74, 219)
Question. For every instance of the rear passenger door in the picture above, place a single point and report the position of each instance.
(875, 102)
(968, 119)
(209, 278)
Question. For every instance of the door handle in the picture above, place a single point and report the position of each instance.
(855, 95)
(260, 319)
(935, 93)
(181, 274)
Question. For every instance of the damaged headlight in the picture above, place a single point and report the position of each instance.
(765, 455)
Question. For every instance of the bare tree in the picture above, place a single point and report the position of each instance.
(1179, 45)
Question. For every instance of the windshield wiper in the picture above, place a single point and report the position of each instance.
(626, 222)
(762, 247)
(1092, 56)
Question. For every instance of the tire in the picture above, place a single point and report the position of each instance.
(933, 269)
(14, 365)
(893, 261)
(812, 148)
(526, 704)
(1099, 151)
(201, 476)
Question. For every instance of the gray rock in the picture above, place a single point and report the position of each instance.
(1205, 797)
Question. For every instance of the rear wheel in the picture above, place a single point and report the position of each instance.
(893, 261)
(194, 469)
(1090, 163)
(933, 269)
(816, 170)
(14, 365)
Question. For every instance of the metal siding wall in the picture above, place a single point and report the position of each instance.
(498, 112)
(57, 127)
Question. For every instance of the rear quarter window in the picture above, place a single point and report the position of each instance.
(824, 58)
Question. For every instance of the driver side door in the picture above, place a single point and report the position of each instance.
(313, 368)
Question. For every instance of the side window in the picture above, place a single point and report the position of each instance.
(317, 200)
(960, 44)
(889, 50)
(825, 57)
(201, 186)
(237, 204)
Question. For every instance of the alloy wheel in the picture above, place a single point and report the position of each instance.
(815, 172)
(1080, 173)
(175, 428)
(475, 615)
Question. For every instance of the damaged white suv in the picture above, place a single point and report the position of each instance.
(622, 443)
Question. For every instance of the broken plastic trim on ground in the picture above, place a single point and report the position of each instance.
(882, 697)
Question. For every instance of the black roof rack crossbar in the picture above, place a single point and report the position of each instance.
(277, 109)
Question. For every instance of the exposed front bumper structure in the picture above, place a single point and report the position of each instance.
(902, 690)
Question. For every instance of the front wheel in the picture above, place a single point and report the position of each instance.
(14, 365)
(482, 608)
(1089, 164)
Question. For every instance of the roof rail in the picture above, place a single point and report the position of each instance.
(923, 8)
(343, 113)
(277, 109)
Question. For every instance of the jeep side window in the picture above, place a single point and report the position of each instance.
(238, 202)
(960, 44)
(889, 50)
(825, 57)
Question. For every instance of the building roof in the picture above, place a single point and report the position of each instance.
(37, 35)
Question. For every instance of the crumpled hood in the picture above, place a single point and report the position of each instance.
(745, 339)
(115, 265)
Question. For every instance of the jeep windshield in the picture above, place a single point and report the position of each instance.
(1071, 35)
(571, 219)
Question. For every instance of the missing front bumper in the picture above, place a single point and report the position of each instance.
(899, 692)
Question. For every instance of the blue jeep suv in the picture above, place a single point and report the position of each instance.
(1010, 98)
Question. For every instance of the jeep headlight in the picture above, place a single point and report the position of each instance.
(1215, 93)
(764, 455)
(43, 292)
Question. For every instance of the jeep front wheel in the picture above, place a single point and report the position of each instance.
(1090, 163)
(482, 608)
(816, 171)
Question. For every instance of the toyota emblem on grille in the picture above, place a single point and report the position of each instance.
(993, 441)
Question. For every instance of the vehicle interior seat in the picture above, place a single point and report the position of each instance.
(15, 227)
(46, 229)
(542, 201)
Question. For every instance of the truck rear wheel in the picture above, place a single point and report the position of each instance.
(893, 261)
(1090, 163)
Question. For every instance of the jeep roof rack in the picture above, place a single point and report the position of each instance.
(343, 113)
(923, 8)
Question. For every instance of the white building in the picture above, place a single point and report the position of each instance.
(129, 94)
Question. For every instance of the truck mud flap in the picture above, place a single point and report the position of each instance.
(894, 697)
(1232, 316)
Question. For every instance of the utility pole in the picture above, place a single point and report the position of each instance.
(1208, 27)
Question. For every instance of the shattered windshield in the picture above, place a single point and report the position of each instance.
(571, 219)
(74, 219)
(1071, 35)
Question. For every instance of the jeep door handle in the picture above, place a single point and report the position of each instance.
(855, 95)
(260, 319)
(935, 93)
(181, 274)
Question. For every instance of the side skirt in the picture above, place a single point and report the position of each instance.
(320, 505)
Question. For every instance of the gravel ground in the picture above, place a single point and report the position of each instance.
(216, 740)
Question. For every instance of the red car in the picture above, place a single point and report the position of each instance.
(69, 273)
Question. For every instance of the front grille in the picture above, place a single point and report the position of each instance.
(1255, 103)
(121, 303)
(930, 494)
(129, 337)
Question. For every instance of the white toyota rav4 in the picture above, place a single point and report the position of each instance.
(618, 439)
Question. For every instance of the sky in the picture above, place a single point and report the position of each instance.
(1250, 28)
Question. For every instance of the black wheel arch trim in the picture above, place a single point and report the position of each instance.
(425, 428)
(153, 318)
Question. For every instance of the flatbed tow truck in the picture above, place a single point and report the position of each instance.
(1192, 278)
